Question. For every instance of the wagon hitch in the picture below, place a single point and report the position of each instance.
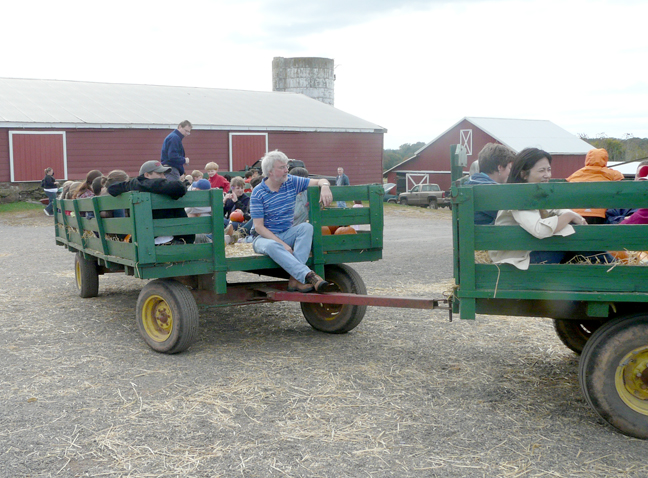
(340, 298)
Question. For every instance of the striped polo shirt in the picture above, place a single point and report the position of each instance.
(277, 208)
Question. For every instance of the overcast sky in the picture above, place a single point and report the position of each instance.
(414, 67)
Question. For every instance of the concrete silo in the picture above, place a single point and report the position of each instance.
(313, 77)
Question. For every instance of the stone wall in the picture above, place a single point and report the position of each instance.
(14, 192)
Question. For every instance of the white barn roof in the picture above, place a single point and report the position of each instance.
(521, 133)
(72, 104)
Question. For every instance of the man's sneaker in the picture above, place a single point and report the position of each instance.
(47, 213)
(320, 284)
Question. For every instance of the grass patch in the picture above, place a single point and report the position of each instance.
(19, 207)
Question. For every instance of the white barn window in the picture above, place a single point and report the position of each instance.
(465, 140)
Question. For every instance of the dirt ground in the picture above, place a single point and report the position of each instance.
(260, 394)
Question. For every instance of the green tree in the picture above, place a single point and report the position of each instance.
(390, 160)
(391, 157)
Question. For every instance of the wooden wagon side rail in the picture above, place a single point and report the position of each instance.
(129, 242)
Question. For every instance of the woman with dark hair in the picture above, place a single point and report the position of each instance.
(533, 165)
(85, 190)
(50, 186)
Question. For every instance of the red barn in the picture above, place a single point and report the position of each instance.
(431, 163)
(75, 127)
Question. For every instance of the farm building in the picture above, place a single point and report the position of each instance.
(78, 126)
(431, 163)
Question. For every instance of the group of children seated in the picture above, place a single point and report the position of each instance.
(237, 222)
(236, 202)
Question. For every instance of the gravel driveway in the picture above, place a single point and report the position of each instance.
(262, 394)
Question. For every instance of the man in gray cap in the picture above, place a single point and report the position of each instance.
(151, 179)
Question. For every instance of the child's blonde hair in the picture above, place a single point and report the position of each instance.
(196, 174)
(211, 165)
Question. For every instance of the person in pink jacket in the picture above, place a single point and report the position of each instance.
(595, 170)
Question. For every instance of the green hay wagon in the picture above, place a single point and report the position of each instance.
(599, 311)
(186, 275)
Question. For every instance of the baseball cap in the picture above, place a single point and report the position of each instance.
(201, 184)
(642, 172)
(153, 167)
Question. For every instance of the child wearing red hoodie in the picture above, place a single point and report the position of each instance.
(215, 180)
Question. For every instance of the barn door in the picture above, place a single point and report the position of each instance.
(246, 149)
(30, 152)
(414, 179)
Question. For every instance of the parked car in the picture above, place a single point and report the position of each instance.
(390, 188)
(425, 195)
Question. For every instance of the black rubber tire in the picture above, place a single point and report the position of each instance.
(613, 374)
(403, 201)
(167, 316)
(575, 333)
(332, 318)
(432, 203)
(86, 276)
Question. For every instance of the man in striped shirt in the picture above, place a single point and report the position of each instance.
(272, 207)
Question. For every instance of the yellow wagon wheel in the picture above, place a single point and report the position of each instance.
(335, 318)
(86, 275)
(613, 374)
(167, 316)
(157, 318)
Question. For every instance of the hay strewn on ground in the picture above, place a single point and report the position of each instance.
(262, 394)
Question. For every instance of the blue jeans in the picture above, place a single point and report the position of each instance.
(173, 175)
(300, 238)
(341, 204)
(51, 196)
(247, 227)
(546, 257)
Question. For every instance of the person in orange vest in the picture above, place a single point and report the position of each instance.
(595, 170)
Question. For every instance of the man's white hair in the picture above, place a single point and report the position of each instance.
(269, 160)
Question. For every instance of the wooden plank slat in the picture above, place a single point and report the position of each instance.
(142, 217)
(184, 225)
(560, 195)
(317, 220)
(341, 242)
(376, 215)
(217, 250)
(118, 225)
(612, 237)
(563, 278)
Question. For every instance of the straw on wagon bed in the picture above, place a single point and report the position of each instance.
(628, 258)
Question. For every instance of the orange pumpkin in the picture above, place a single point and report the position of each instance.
(345, 230)
(237, 216)
(326, 231)
(333, 229)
